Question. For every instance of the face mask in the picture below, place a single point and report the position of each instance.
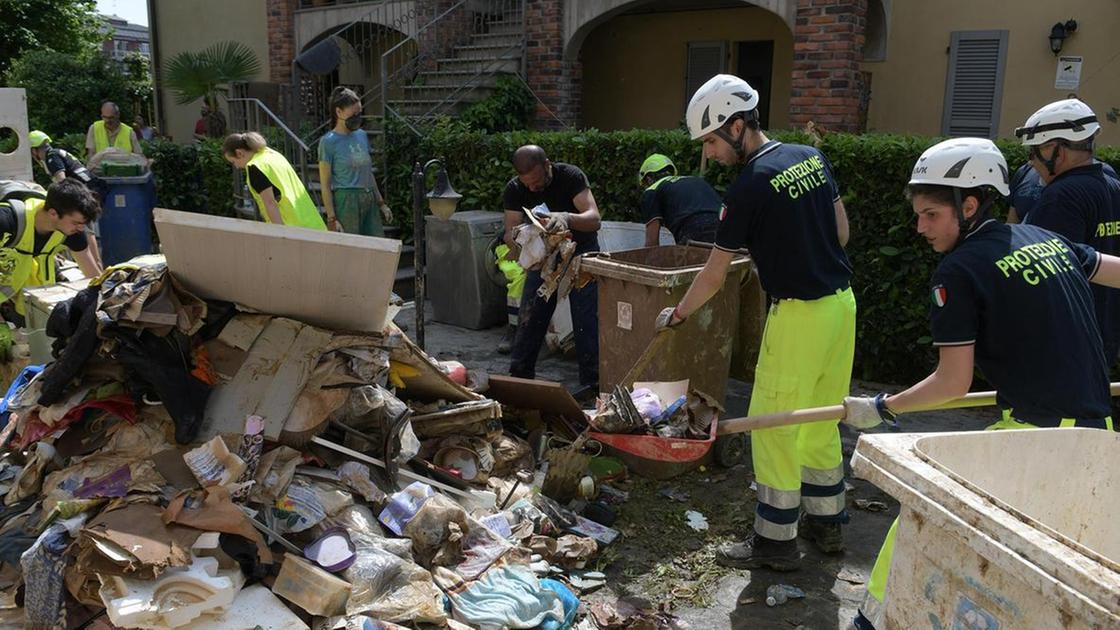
(353, 123)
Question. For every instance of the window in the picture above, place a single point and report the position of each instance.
(974, 86)
(705, 60)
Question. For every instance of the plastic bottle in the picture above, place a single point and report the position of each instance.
(778, 594)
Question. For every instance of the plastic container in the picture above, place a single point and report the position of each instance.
(634, 286)
(126, 220)
(1001, 529)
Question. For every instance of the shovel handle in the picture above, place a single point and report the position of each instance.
(833, 412)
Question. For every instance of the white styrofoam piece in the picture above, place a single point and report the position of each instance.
(254, 607)
(174, 599)
(336, 281)
(13, 115)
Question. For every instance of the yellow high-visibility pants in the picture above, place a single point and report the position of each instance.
(805, 361)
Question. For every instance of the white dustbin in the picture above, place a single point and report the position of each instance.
(1001, 529)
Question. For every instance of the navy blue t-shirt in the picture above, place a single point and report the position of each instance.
(1026, 186)
(1044, 367)
(567, 182)
(678, 200)
(1083, 205)
(782, 208)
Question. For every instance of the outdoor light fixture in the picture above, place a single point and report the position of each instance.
(1059, 32)
(442, 201)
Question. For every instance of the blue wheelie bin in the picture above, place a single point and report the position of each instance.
(126, 220)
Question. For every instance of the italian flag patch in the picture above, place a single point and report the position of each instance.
(940, 295)
(722, 213)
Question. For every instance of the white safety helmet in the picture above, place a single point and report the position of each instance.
(1068, 119)
(963, 163)
(721, 97)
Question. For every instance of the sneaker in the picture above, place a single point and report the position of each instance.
(505, 346)
(824, 536)
(757, 552)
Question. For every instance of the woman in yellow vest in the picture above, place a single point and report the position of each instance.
(273, 183)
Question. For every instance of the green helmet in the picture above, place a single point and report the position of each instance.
(38, 138)
(655, 164)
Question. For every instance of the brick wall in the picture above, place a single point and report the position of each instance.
(828, 86)
(281, 39)
(555, 80)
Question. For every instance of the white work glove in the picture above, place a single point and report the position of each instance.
(386, 213)
(865, 412)
(667, 318)
(558, 222)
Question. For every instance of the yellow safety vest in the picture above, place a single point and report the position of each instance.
(123, 140)
(20, 265)
(296, 206)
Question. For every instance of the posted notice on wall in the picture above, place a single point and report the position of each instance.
(1069, 73)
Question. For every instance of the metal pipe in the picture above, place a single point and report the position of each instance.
(418, 249)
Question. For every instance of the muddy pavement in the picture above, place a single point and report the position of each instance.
(661, 558)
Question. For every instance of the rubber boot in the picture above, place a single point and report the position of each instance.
(757, 552)
(825, 536)
(506, 344)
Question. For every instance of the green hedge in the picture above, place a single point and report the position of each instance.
(892, 264)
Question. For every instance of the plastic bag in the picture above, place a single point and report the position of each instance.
(388, 586)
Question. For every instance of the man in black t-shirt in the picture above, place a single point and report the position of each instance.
(1048, 367)
(1079, 201)
(687, 205)
(785, 207)
(563, 189)
(60, 165)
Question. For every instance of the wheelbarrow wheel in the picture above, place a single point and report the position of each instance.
(729, 449)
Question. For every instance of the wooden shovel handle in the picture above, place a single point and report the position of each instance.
(819, 414)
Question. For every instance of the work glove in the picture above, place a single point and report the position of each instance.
(558, 222)
(386, 213)
(865, 412)
(667, 318)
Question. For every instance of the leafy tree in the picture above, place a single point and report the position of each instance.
(65, 26)
(65, 91)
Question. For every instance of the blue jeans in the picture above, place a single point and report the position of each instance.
(535, 315)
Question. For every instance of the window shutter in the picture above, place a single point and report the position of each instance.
(974, 87)
(705, 60)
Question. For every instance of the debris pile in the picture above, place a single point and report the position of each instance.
(186, 464)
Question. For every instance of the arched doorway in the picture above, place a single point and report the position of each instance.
(642, 62)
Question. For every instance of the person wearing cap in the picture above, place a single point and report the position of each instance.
(60, 165)
(1079, 201)
(785, 207)
(687, 205)
(1048, 369)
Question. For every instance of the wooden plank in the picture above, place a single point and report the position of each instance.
(335, 281)
(545, 396)
(269, 381)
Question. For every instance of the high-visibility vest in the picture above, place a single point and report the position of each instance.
(296, 206)
(20, 265)
(123, 140)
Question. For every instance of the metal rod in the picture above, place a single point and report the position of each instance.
(418, 181)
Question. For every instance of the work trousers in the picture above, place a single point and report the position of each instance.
(536, 313)
(357, 211)
(805, 361)
(874, 607)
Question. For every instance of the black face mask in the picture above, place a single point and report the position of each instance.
(354, 123)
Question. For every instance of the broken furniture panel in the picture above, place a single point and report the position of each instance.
(337, 281)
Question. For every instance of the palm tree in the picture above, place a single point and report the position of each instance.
(207, 73)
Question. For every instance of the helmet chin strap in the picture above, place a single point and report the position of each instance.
(1051, 162)
(968, 225)
(736, 143)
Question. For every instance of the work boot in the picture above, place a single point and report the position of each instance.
(757, 552)
(505, 346)
(825, 536)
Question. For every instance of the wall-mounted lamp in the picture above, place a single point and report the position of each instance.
(1059, 32)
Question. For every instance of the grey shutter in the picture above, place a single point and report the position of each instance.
(974, 86)
(705, 60)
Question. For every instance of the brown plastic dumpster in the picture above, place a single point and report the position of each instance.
(635, 285)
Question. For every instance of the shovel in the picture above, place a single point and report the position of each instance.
(818, 414)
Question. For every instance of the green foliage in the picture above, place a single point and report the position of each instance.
(64, 26)
(204, 74)
(192, 177)
(509, 108)
(64, 91)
